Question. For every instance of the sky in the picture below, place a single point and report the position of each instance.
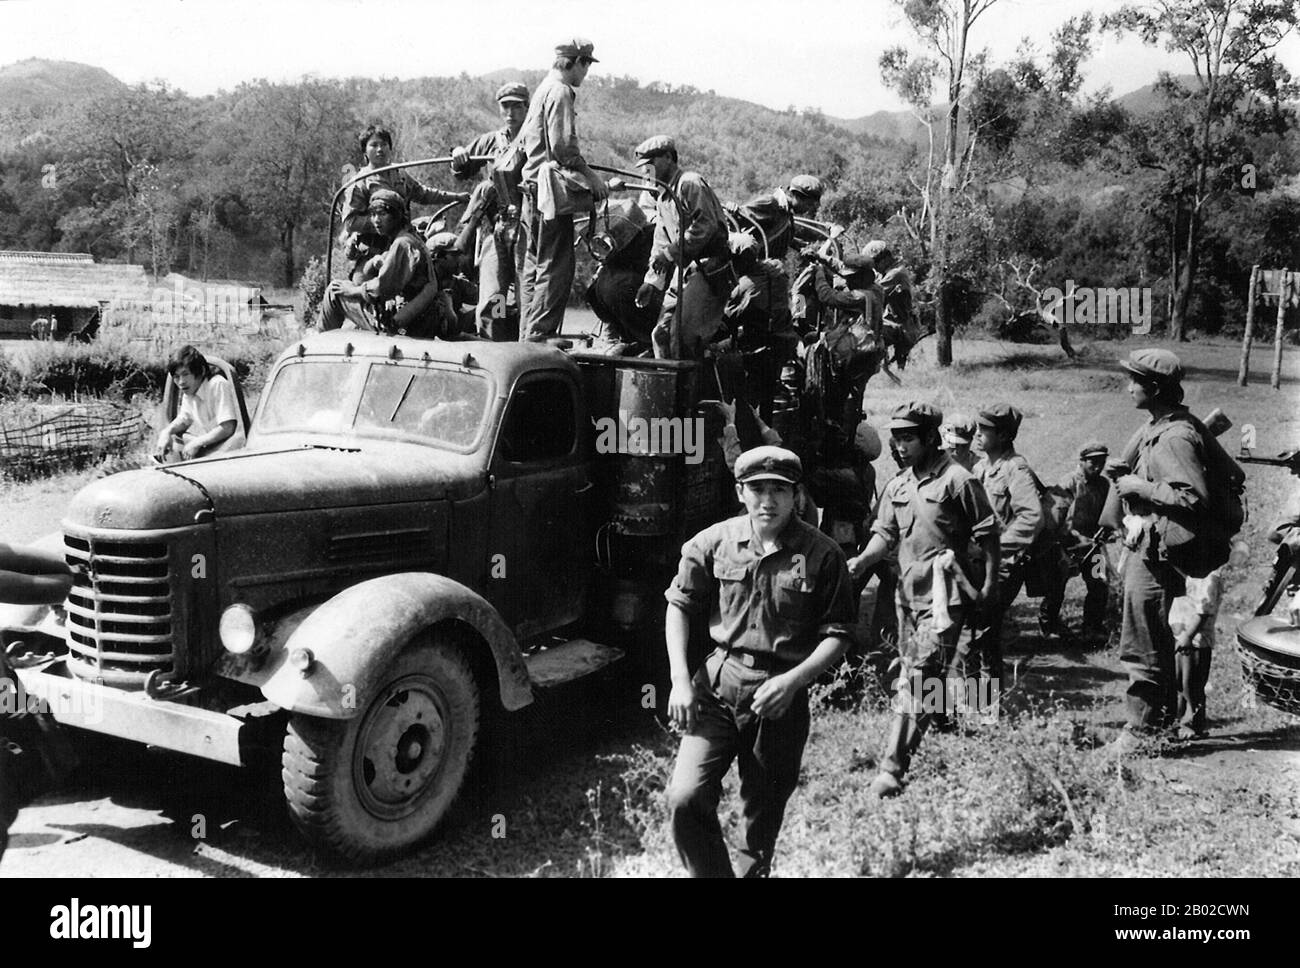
(804, 53)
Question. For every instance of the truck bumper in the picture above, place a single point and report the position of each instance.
(133, 715)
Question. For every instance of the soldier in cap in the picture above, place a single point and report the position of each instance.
(1014, 493)
(703, 253)
(377, 147)
(1165, 486)
(396, 289)
(498, 247)
(850, 336)
(901, 329)
(932, 511)
(958, 432)
(781, 611)
(550, 133)
(774, 213)
(758, 314)
(1085, 492)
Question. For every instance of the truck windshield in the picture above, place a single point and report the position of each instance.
(444, 407)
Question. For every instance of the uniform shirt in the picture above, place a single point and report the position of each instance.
(783, 603)
(896, 286)
(488, 145)
(769, 309)
(706, 226)
(926, 511)
(774, 214)
(1087, 499)
(552, 108)
(1201, 598)
(403, 269)
(1011, 490)
(1166, 452)
(851, 303)
(356, 208)
(213, 403)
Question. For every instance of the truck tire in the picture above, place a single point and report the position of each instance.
(368, 788)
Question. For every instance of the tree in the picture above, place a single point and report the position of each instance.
(1202, 130)
(944, 27)
(291, 140)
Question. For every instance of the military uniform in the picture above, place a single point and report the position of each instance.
(758, 312)
(774, 214)
(924, 512)
(549, 133)
(499, 248)
(1167, 460)
(703, 253)
(1013, 493)
(1087, 497)
(767, 613)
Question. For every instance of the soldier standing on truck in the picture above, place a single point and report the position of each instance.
(498, 249)
(27, 577)
(901, 327)
(396, 288)
(550, 134)
(781, 611)
(359, 238)
(932, 512)
(775, 214)
(1012, 490)
(704, 253)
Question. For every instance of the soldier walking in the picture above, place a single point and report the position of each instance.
(780, 612)
(550, 133)
(931, 511)
(1013, 493)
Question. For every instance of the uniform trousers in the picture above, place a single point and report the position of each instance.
(546, 272)
(1094, 599)
(500, 252)
(928, 685)
(985, 658)
(768, 752)
(1146, 646)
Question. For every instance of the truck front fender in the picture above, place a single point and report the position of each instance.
(355, 635)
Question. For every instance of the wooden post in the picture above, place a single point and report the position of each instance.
(1243, 374)
(1276, 382)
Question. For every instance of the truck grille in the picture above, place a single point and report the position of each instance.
(119, 614)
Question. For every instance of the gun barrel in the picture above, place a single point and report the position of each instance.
(1291, 459)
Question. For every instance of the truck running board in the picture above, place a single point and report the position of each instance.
(569, 661)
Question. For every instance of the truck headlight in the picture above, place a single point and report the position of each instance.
(238, 629)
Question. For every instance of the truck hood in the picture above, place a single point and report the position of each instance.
(271, 481)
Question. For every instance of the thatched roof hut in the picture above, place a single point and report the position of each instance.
(71, 285)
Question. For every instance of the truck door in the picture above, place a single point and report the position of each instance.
(542, 524)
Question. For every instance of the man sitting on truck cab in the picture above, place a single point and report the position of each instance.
(208, 419)
(398, 287)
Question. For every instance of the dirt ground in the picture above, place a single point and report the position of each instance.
(131, 811)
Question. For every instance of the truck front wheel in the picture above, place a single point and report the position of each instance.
(367, 788)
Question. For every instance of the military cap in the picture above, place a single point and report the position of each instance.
(659, 144)
(878, 251)
(1003, 418)
(915, 416)
(769, 464)
(809, 186)
(512, 91)
(958, 428)
(858, 265)
(1160, 366)
(576, 47)
(442, 241)
(1094, 448)
(386, 198)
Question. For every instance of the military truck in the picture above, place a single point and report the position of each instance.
(419, 535)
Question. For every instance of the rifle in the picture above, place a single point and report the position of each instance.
(1289, 459)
